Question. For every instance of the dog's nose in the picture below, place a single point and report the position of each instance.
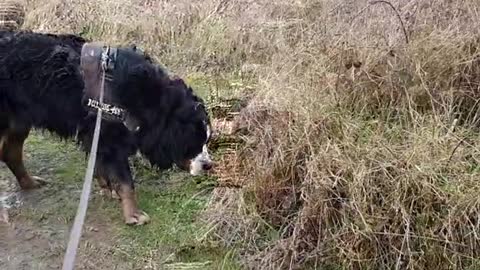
(207, 166)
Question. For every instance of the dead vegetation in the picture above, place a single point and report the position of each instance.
(11, 14)
(365, 157)
(359, 148)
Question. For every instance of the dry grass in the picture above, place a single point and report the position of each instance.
(360, 147)
(363, 154)
(11, 14)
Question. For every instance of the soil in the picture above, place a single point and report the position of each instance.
(34, 230)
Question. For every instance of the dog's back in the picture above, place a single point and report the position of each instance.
(39, 74)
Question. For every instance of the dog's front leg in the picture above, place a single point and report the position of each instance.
(118, 174)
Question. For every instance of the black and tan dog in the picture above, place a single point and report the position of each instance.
(42, 86)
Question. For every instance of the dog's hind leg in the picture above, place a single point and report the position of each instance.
(12, 155)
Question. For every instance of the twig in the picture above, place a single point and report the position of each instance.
(394, 9)
(396, 12)
(455, 149)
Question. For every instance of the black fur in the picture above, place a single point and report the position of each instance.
(41, 87)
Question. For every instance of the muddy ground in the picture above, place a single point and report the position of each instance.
(37, 230)
(36, 235)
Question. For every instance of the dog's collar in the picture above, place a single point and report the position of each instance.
(93, 62)
(114, 113)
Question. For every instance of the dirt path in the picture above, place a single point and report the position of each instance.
(37, 231)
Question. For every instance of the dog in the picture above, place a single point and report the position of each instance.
(42, 86)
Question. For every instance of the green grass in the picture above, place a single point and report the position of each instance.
(173, 228)
(172, 199)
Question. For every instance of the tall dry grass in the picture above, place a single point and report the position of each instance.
(360, 145)
(363, 152)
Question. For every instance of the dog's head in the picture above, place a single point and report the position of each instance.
(174, 123)
(196, 159)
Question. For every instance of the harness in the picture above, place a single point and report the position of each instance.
(95, 58)
(97, 64)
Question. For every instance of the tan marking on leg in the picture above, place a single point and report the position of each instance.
(31, 182)
(110, 194)
(115, 195)
(12, 149)
(131, 213)
(106, 190)
(103, 184)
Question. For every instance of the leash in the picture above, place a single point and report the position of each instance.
(76, 232)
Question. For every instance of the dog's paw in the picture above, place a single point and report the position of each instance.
(108, 193)
(41, 181)
(137, 218)
(32, 182)
(115, 195)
